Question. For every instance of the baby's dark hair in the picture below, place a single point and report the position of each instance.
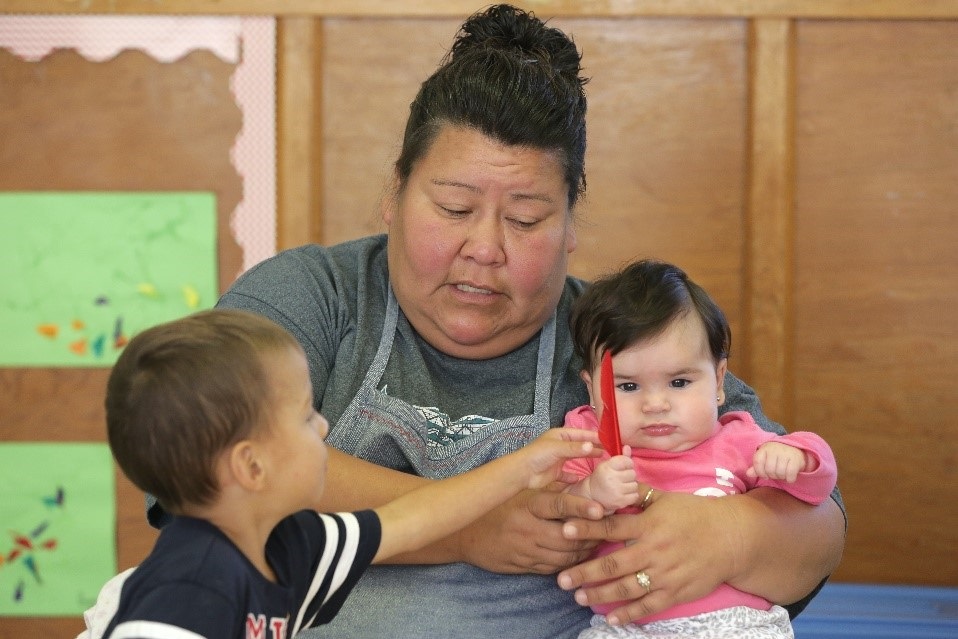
(182, 392)
(638, 303)
(515, 80)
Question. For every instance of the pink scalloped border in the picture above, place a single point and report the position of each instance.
(248, 42)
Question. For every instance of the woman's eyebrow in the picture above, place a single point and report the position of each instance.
(538, 197)
(461, 185)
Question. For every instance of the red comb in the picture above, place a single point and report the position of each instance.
(609, 426)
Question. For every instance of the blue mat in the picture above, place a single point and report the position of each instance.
(880, 612)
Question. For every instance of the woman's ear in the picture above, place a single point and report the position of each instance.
(571, 236)
(389, 202)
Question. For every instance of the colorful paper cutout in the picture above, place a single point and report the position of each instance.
(90, 270)
(57, 548)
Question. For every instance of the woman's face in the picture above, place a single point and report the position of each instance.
(479, 240)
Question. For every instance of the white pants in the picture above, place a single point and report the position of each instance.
(731, 623)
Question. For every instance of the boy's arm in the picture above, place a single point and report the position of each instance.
(433, 511)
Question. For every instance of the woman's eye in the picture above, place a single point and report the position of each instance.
(524, 224)
(454, 212)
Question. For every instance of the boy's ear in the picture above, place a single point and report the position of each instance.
(245, 465)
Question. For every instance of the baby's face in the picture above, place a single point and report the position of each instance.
(667, 389)
(297, 432)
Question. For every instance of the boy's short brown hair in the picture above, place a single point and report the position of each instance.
(182, 392)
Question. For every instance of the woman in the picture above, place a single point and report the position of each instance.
(445, 343)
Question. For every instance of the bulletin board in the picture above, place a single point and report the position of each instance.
(128, 123)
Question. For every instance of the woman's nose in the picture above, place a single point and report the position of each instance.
(485, 242)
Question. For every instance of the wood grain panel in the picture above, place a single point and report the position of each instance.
(368, 89)
(875, 9)
(876, 308)
(666, 155)
(298, 105)
(768, 227)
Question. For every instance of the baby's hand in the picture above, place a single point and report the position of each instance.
(774, 460)
(613, 483)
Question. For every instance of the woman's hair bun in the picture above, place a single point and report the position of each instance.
(513, 31)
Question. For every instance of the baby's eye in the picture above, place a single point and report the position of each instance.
(628, 387)
(680, 383)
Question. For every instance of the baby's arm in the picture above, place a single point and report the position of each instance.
(442, 507)
(774, 460)
(613, 483)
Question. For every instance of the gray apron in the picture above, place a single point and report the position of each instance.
(450, 600)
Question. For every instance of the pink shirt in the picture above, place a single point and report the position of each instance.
(714, 468)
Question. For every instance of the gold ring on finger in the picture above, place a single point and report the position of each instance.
(647, 499)
(644, 580)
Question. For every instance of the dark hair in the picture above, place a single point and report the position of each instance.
(182, 392)
(638, 303)
(515, 80)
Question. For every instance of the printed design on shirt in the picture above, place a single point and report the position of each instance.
(258, 628)
(441, 430)
(723, 484)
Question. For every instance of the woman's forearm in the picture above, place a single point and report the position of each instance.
(783, 536)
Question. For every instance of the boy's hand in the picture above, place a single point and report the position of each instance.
(548, 452)
(613, 483)
(774, 460)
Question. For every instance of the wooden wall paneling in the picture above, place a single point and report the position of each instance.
(875, 9)
(368, 92)
(768, 228)
(299, 145)
(876, 308)
(665, 161)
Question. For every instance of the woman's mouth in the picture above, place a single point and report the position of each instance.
(466, 288)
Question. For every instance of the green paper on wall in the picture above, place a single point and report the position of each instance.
(57, 548)
(84, 272)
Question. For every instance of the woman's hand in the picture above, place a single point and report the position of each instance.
(685, 544)
(766, 542)
(524, 535)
